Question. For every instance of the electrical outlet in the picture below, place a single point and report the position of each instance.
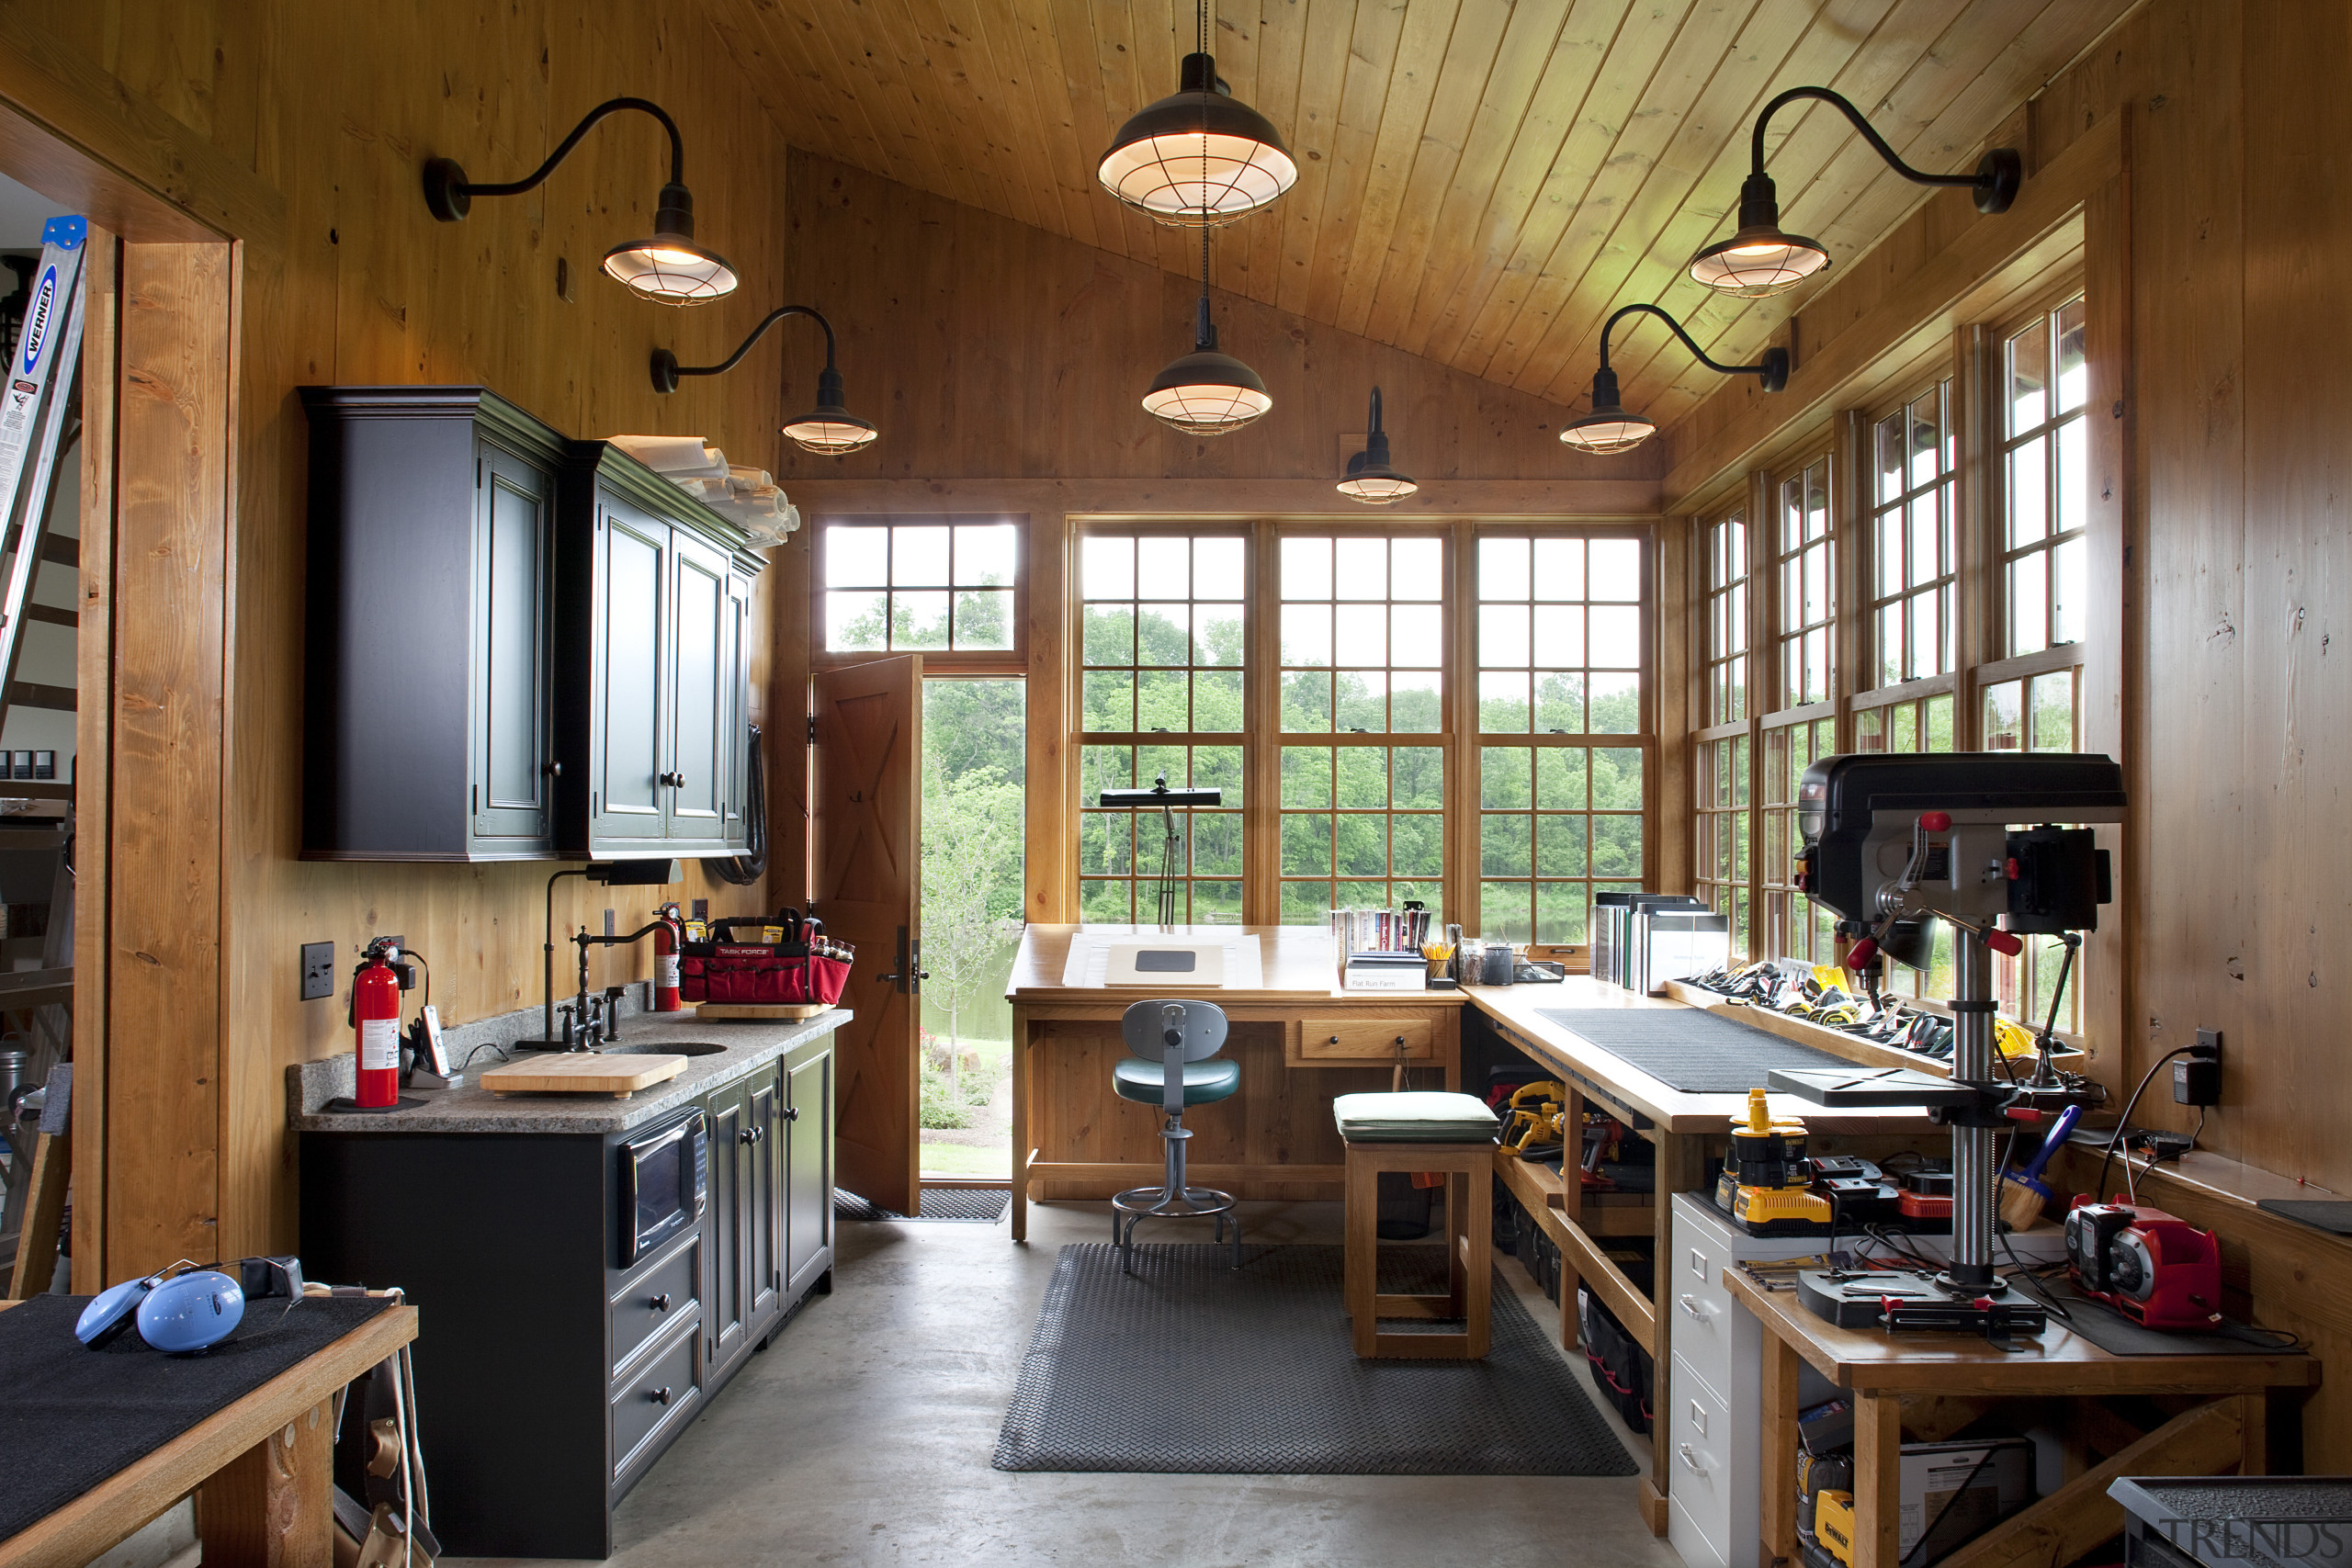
(702, 909)
(317, 970)
(2196, 1077)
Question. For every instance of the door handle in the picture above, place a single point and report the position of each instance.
(553, 770)
(675, 781)
(748, 1135)
(792, 1113)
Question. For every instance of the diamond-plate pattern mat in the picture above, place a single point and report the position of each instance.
(1192, 1367)
(985, 1204)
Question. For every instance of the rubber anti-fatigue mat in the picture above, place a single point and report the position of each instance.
(1687, 1049)
(70, 1416)
(984, 1204)
(1192, 1367)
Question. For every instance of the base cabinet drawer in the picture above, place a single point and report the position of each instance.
(662, 1294)
(663, 1393)
(1699, 1455)
(1359, 1039)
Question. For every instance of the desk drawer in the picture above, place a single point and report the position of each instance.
(662, 1293)
(1356, 1038)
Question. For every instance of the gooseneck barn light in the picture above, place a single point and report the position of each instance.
(669, 267)
(1608, 428)
(1199, 157)
(828, 430)
(1761, 259)
(1206, 392)
(1370, 478)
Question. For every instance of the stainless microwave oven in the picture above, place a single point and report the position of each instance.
(665, 1182)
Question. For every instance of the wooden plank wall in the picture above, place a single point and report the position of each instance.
(300, 130)
(2215, 643)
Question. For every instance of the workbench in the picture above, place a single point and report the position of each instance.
(1301, 1043)
(2224, 1426)
(261, 1466)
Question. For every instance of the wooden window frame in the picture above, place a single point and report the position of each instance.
(1871, 602)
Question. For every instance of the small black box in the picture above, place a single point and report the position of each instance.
(2196, 1080)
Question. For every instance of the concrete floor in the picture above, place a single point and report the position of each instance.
(862, 1436)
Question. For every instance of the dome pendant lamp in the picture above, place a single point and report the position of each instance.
(828, 430)
(1198, 158)
(669, 267)
(1370, 478)
(1761, 259)
(1608, 428)
(1206, 392)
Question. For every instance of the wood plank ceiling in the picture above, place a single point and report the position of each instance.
(1483, 182)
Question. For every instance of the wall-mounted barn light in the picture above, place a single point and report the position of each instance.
(1206, 392)
(1370, 478)
(669, 267)
(1199, 157)
(1761, 259)
(1608, 428)
(828, 430)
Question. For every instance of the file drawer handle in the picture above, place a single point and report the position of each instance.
(1691, 1305)
(1691, 1459)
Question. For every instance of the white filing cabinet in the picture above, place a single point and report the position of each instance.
(1710, 1414)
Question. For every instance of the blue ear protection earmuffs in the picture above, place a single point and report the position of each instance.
(185, 1309)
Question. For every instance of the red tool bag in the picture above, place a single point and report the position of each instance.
(801, 969)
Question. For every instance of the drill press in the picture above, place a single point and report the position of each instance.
(1892, 844)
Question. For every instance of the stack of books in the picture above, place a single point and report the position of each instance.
(1380, 949)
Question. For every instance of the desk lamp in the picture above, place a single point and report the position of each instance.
(603, 873)
(1166, 799)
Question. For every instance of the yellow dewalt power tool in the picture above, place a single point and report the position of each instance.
(1833, 1525)
(1533, 1116)
(1765, 1186)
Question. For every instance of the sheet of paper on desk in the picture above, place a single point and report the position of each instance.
(1088, 964)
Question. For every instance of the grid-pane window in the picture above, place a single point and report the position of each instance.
(2038, 713)
(1160, 693)
(1362, 639)
(1560, 666)
(2045, 472)
(1725, 857)
(1794, 925)
(933, 587)
(1808, 602)
(1725, 624)
(1922, 724)
(1556, 824)
(1914, 457)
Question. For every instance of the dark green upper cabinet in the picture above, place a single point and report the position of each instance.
(519, 647)
(426, 726)
(664, 585)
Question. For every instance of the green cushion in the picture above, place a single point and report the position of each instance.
(1137, 1079)
(1420, 1117)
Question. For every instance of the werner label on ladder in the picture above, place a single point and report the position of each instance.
(35, 409)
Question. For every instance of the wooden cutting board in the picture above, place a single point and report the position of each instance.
(620, 1077)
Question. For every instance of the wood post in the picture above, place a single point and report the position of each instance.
(273, 1505)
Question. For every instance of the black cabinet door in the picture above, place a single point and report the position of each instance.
(630, 648)
(808, 1175)
(729, 1127)
(701, 695)
(764, 1185)
(512, 523)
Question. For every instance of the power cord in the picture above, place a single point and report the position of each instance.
(2116, 1140)
(485, 1046)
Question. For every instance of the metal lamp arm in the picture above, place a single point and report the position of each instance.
(771, 318)
(563, 151)
(1688, 342)
(1870, 134)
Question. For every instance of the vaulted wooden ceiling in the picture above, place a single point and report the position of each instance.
(1483, 182)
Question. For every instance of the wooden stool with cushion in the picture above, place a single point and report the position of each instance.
(1453, 1134)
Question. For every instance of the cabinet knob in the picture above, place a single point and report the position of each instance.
(659, 1302)
(659, 1395)
(553, 770)
(792, 1113)
(675, 781)
(1400, 1040)
(748, 1135)
(1335, 1040)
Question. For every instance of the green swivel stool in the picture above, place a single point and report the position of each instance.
(1173, 1042)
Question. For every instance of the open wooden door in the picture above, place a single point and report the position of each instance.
(868, 806)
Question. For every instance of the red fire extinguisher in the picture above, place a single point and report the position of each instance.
(376, 987)
(669, 937)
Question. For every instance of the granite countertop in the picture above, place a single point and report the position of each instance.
(472, 1108)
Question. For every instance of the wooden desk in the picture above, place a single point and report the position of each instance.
(264, 1464)
(1300, 1041)
(1685, 1128)
(2225, 1429)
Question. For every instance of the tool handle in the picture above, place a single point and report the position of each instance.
(2053, 1144)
